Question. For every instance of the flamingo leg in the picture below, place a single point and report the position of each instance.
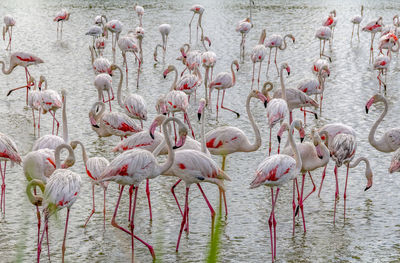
(148, 198)
(131, 188)
(217, 102)
(269, 60)
(310, 112)
(34, 123)
(345, 195)
(223, 162)
(270, 220)
(132, 225)
(276, 65)
(222, 105)
(336, 194)
(93, 207)
(314, 187)
(188, 123)
(38, 218)
(270, 146)
(301, 202)
(258, 80)
(184, 220)
(115, 224)
(209, 206)
(39, 247)
(294, 206)
(173, 193)
(322, 180)
(38, 126)
(104, 209)
(54, 119)
(358, 32)
(274, 220)
(3, 189)
(252, 79)
(65, 236)
(352, 32)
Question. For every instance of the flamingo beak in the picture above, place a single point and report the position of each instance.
(180, 142)
(153, 128)
(279, 138)
(93, 122)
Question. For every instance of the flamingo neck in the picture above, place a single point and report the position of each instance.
(381, 145)
(295, 149)
(119, 90)
(71, 155)
(283, 85)
(173, 86)
(257, 143)
(64, 119)
(233, 75)
(3, 68)
(171, 153)
(84, 155)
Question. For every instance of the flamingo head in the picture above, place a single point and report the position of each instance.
(156, 123)
(182, 137)
(168, 70)
(372, 100)
(200, 111)
(182, 50)
(236, 63)
(260, 96)
(285, 65)
(68, 163)
(208, 40)
(369, 175)
(284, 127)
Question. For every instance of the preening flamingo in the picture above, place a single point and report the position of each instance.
(140, 12)
(115, 27)
(382, 64)
(243, 28)
(164, 29)
(52, 141)
(323, 33)
(103, 82)
(9, 23)
(224, 81)
(199, 10)
(129, 44)
(100, 64)
(258, 54)
(131, 168)
(24, 60)
(390, 140)
(94, 167)
(61, 16)
(356, 20)
(373, 27)
(277, 41)
(8, 152)
(275, 171)
(51, 101)
(62, 190)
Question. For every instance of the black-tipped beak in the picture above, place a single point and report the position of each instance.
(199, 115)
(165, 76)
(301, 140)
(366, 109)
(288, 73)
(96, 126)
(279, 139)
(164, 113)
(329, 75)
(265, 104)
(152, 136)
(366, 188)
(316, 115)
(176, 147)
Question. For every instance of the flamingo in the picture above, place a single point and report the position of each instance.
(199, 10)
(129, 44)
(61, 16)
(100, 64)
(390, 140)
(356, 20)
(243, 28)
(24, 60)
(164, 29)
(100, 20)
(373, 27)
(188, 83)
(9, 22)
(328, 132)
(51, 101)
(35, 103)
(52, 141)
(194, 58)
(100, 44)
(40, 165)
(275, 171)
(388, 41)
(95, 31)
(331, 21)
(382, 64)
(62, 190)
(111, 123)
(103, 82)
(257, 55)
(277, 41)
(94, 167)
(323, 33)
(115, 27)
(8, 152)
(134, 105)
(140, 12)
(314, 155)
(209, 59)
(224, 81)
(226, 140)
(139, 35)
(132, 167)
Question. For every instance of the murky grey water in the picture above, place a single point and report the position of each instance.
(371, 232)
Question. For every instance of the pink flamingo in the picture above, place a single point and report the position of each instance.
(51, 101)
(164, 29)
(9, 22)
(224, 81)
(111, 123)
(275, 171)
(100, 64)
(94, 167)
(62, 190)
(373, 27)
(277, 41)
(40, 165)
(356, 20)
(115, 27)
(328, 132)
(382, 64)
(243, 28)
(61, 16)
(323, 33)
(24, 60)
(390, 140)
(209, 59)
(132, 167)
(226, 140)
(103, 82)
(8, 152)
(52, 141)
(189, 83)
(35, 103)
(199, 10)
(140, 12)
(258, 54)
(331, 22)
(389, 41)
(129, 44)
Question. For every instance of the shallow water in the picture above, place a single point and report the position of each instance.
(371, 232)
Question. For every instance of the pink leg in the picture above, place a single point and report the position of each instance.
(3, 188)
(344, 195)
(290, 117)
(270, 146)
(310, 112)
(336, 194)
(276, 65)
(258, 80)
(270, 220)
(294, 206)
(39, 248)
(252, 79)
(104, 209)
(217, 102)
(314, 187)
(184, 218)
(188, 123)
(269, 60)
(38, 218)
(40, 111)
(210, 207)
(173, 193)
(131, 188)
(222, 105)
(47, 240)
(132, 223)
(34, 123)
(54, 119)
(322, 180)
(27, 88)
(93, 207)
(65, 236)
(301, 202)
(274, 221)
(148, 198)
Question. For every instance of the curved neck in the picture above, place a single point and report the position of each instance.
(119, 90)
(64, 119)
(101, 112)
(35, 199)
(283, 47)
(283, 86)
(57, 154)
(294, 148)
(253, 147)
(371, 136)
(171, 153)
(233, 74)
(84, 155)
(173, 86)
(203, 41)
(357, 162)
(3, 68)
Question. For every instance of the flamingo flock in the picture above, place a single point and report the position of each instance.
(190, 154)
